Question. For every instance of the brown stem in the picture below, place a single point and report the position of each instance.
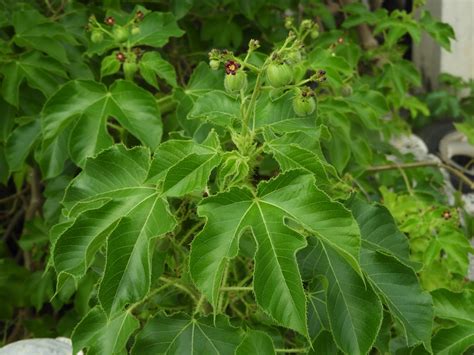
(367, 40)
(375, 4)
(422, 164)
(35, 200)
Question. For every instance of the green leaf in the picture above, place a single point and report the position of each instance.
(152, 64)
(155, 30)
(292, 156)
(324, 345)
(53, 154)
(182, 334)
(181, 7)
(458, 306)
(190, 174)
(359, 14)
(185, 166)
(222, 32)
(336, 67)
(318, 320)
(402, 293)
(86, 106)
(369, 106)
(41, 72)
(385, 248)
(20, 144)
(454, 341)
(7, 123)
(109, 202)
(269, 112)
(255, 342)
(467, 129)
(443, 33)
(379, 231)
(353, 308)
(102, 335)
(216, 107)
(110, 65)
(32, 30)
(3, 166)
(291, 196)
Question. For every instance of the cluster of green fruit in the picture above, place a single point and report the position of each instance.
(278, 71)
(120, 35)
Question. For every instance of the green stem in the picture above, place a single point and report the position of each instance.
(150, 295)
(300, 350)
(176, 284)
(224, 281)
(166, 104)
(191, 232)
(236, 288)
(253, 99)
(199, 304)
(422, 164)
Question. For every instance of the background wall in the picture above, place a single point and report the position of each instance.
(431, 59)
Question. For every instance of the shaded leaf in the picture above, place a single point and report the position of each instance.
(181, 334)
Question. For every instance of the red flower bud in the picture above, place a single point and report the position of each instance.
(109, 21)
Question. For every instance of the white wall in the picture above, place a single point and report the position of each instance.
(433, 60)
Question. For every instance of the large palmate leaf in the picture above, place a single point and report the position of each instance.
(457, 306)
(110, 202)
(39, 71)
(152, 65)
(182, 334)
(33, 30)
(185, 166)
(455, 340)
(20, 143)
(353, 308)
(102, 335)
(305, 155)
(379, 231)
(277, 282)
(216, 107)
(255, 342)
(391, 275)
(85, 106)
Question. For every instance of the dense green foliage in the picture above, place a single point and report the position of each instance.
(219, 191)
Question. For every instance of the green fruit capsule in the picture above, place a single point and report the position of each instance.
(120, 34)
(129, 70)
(279, 75)
(346, 90)
(214, 64)
(233, 83)
(135, 30)
(304, 105)
(97, 36)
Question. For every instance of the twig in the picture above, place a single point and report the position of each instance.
(180, 286)
(190, 232)
(35, 200)
(236, 288)
(422, 164)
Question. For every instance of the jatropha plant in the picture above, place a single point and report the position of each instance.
(158, 204)
(241, 240)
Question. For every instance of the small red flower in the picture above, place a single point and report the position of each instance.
(109, 21)
(231, 67)
(446, 215)
(120, 57)
(139, 15)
